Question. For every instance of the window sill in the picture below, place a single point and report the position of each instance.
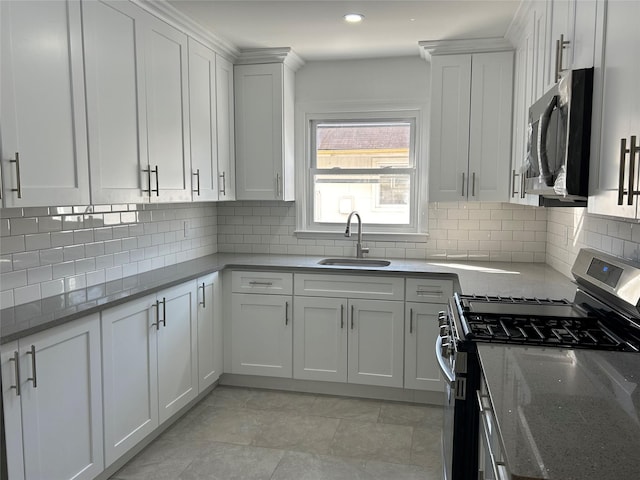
(367, 236)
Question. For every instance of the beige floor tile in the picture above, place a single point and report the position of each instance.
(232, 397)
(296, 432)
(411, 415)
(426, 448)
(348, 408)
(233, 462)
(287, 402)
(373, 441)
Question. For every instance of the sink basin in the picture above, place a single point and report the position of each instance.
(355, 262)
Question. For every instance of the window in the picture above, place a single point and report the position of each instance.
(364, 164)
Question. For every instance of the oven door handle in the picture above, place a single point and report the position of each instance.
(444, 368)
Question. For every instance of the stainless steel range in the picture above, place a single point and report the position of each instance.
(604, 315)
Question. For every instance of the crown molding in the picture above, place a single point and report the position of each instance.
(283, 55)
(429, 48)
(174, 17)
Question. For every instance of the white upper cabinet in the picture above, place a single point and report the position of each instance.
(167, 112)
(113, 38)
(264, 109)
(226, 130)
(44, 138)
(616, 112)
(137, 109)
(202, 111)
(470, 144)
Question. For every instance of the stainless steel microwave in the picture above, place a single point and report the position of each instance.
(557, 166)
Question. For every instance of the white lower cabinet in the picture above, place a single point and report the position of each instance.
(209, 331)
(355, 340)
(261, 333)
(375, 343)
(421, 370)
(52, 395)
(150, 363)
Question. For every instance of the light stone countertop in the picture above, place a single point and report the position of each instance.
(507, 279)
(565, 414)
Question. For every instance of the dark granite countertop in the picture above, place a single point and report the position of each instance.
(565, 414)
(523, 279)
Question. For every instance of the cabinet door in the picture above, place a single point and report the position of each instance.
(167, 111)
(421, 330)
(226, 130)
(116, 114)
(44, 138)
(62, 405)
(259, 131)
(202, 113)
(615, 112)
(584, 32)
(449, 141)
(376, 343)
(261, 335)
(130, 375)
(177, 349)
(320, 339)
(209, 331)
(560, 22)
(490, 126)
(12, 383)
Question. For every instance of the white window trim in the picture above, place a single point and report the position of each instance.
(307, 112)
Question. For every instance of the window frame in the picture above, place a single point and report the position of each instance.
(307, 227)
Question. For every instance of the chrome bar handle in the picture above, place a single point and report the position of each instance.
(197, 175)
(473, 184)
(204, 299)
(523, 181)
(265, 284)
(164, 312)
(632, 174)
(224, 184)
(463, 184)
(157, 322)
(278, 185)
(513, 182)
(157, 190)
(429, 293)
(16, 359)
(351, 317)
(286, 313)
(17, 162)
(34, 379)
(342, 316)
(411, 321)
(623, 155)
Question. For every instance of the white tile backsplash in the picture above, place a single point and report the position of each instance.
(457, 230)
(49, 250)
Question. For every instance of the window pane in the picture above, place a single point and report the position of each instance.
(357, 145)
(380, 199)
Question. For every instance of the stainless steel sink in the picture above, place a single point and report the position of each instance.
(355, 262)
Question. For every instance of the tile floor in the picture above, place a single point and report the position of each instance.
(251, 434)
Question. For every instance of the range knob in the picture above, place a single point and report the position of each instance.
(442, 319)
(446, 349)
(444, 330)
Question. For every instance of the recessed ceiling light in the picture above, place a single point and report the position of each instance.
(353, 17)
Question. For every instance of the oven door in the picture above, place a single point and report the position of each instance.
(446, 364)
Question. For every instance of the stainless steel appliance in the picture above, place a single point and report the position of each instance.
(557, 166)
(604, 315)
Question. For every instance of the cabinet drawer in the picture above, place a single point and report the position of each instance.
(350, 286)
(429, 290)
(274, 283)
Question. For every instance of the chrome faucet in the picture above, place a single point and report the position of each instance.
(360, 250)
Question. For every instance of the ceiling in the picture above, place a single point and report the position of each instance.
(316, 30)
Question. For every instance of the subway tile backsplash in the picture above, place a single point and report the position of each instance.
(457, 230)
(46, 251)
